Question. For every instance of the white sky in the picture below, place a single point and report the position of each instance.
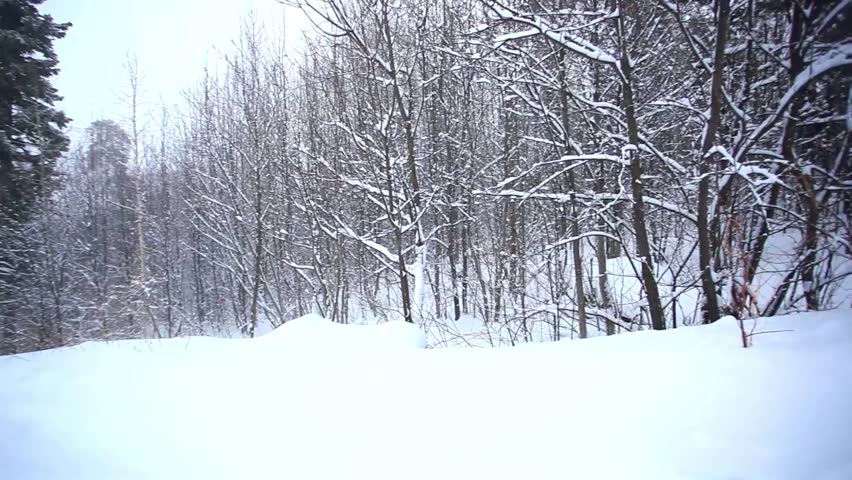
(172, 39)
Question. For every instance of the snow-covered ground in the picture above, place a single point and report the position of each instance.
(315, 400)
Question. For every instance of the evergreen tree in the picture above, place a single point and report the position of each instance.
(31, 133)
(31, 137)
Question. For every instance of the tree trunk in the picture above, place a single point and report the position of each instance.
(705, 233)
(643, 247)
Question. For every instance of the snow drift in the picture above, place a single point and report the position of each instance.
(316, 400)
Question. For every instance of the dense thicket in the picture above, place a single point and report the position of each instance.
(559, 168)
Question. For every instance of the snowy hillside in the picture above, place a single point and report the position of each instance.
(316, 400)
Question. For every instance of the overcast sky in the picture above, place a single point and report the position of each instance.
(172, 39)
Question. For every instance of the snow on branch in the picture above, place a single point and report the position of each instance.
(837, 57)
(566, 39)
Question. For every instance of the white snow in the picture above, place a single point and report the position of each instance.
(312, 333)
(316, 400)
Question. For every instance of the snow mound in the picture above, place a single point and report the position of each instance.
(315, 332)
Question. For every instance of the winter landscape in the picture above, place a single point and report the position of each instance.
(426, 239)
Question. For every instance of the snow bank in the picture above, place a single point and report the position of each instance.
(315, 332)
(314, 400)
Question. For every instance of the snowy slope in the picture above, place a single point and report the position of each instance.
(318, 400)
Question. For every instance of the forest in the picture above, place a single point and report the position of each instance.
(497, 171)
